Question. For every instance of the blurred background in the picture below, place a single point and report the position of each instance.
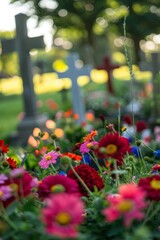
(116, 38)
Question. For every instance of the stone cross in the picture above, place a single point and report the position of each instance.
(154, 66)
(109, 67)
(23, 44)
(73, 73)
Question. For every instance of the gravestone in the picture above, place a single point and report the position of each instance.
(108, 67)
(73, 73)
(23, 44)
(144, 64)
(156, 84)
(154, 67)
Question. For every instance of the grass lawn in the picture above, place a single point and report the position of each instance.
(11, 106)
(11, 100)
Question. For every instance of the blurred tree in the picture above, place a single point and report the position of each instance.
(143, 19)
(78, 17)
(83, 18)
(9, 62)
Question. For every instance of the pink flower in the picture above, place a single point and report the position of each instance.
(62, 215)
(129, 204)
(18, 172)
(20, 186)
(3, 178)
(48, 158)
(5, 193)
(34, 183)
(157, 130)
(86, 146)
(157, 133)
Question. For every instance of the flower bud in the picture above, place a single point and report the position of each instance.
(102, 150)
(138, 143)
(41, 134)
(65, 160)
(5, 164)
(53, 136)
(131, 158)
(57, 149)
(146, 158)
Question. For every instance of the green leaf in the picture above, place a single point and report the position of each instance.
(11, 208)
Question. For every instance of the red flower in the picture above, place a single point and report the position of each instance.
(20, 185)
(41, 151)
(12, 163)
(76, 147)
(90, 177)
(127, 119)
(3, 148)
(156, 167)
(112, 145)
(73, 156)
(57, 183)
(140, 126)
(151, 185)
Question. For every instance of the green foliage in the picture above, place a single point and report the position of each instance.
(81, 15)
(23, 218)
(8, 62)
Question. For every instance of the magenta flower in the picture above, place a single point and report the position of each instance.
(86, 146)
(5, 193)
(54, 183)
(48, 158)
(62, 215)
(129, 203)
(3, 178)
(20, 187)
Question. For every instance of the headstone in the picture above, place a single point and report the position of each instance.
(144, 64)
(73, 73)
(154, 67)
(156, 83)
(87, 54)
(109, 67)
(133, 106)
(23, 44)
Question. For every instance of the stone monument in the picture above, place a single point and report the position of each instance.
(22, 44)
(73, 73)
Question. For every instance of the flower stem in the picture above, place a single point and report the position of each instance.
(143, 162)
(96, 162)
(83, 159)
(119, 119)
(153, 213)
(117, 175)
(148, 215)
(53, 168)
(5, 217)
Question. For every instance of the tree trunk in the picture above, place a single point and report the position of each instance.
(136, 49)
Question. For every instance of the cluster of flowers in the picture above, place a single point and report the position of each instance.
(65, 188)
